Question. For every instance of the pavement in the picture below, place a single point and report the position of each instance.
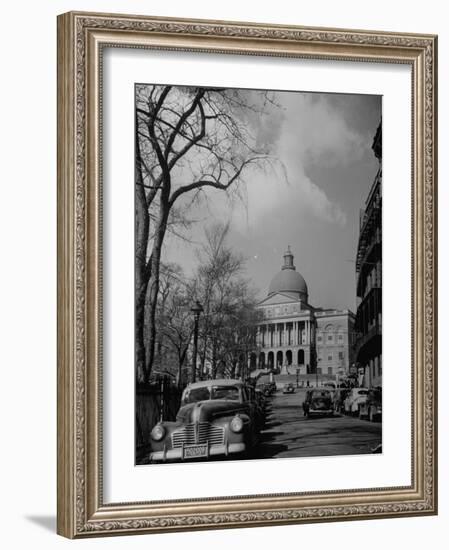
(289, 434)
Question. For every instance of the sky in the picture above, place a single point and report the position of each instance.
(309, 198)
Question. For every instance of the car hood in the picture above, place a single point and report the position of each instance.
(209, 410)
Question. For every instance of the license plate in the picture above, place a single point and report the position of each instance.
(195, 451)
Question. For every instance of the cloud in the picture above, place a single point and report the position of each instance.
(306, 130)
(317, 131)
(268, 194)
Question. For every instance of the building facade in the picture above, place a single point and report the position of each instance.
(369, 280)
(296, 338)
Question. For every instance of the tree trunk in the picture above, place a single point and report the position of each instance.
(181, 360)
(214, 360)
(142, 229)
(153, 285)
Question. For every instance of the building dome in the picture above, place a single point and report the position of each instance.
(288, 279)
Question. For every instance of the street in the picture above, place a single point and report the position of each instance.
(290, 434)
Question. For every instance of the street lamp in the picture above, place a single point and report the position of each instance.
(196, 309)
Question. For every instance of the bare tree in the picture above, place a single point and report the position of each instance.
(187, 140)
(230, 315)
(175, 327)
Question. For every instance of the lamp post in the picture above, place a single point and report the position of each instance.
(196, 309)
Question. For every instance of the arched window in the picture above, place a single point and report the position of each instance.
(279, 358)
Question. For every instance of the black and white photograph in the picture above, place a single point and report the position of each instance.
(258, 274)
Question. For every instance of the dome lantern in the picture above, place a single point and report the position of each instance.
(288, 259)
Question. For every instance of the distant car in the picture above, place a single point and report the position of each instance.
(318, 402)
(372, 408)
(354, 400)
(288, 388)
(216, 418)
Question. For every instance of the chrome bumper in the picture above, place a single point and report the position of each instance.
(214, 450)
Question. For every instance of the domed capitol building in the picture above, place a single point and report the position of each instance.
(298, 338)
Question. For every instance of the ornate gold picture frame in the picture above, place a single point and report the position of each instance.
(82, 39)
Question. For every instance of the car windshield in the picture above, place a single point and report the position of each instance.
(231, 393)
(196, 394)
(205, 393)
(362, 392)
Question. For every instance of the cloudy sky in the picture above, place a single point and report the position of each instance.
(323, 142)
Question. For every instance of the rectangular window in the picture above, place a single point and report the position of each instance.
(329, 370)
(329, 357)
(340, 355)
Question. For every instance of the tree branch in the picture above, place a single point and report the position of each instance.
(211, 183)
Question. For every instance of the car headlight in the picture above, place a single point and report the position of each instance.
(236, 424)
(158, 432)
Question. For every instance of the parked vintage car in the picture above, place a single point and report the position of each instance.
(372, 408)
(261, 398)
(265, 389)
(268, 388)
(216, 417)
(257, 400)
(288, 388)
(339, 396)
(318, 402)
(355, 398)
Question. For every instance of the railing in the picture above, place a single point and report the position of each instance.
(157, 401)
